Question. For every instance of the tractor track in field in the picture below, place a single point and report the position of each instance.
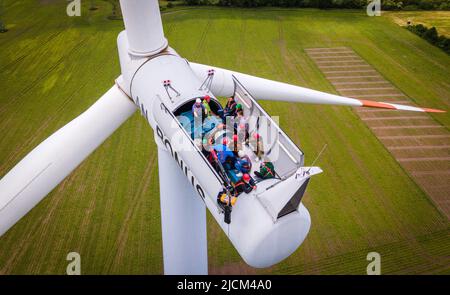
(242, 43)
(43, 242)
(136, 202)
(30, 27)
(27, 54)
(87, 214)
(36, 228)
(170, 28)
(386, 129)
(143, 224)
(288, 59)
(119, 248)
(106, 225)
(280, 73)
(95, 173)
(25, 90)
(202, 41)
(29, 141)
(120, 235)
(16, 61)
(17, 35)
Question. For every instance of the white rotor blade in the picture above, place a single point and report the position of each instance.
(264, 89)
(142, 20)
(52, 160)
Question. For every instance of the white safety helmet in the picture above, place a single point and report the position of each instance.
(198, 100)
(241, 154)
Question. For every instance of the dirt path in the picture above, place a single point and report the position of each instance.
(426, 161)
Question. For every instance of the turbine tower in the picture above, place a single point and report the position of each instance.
(269, 223)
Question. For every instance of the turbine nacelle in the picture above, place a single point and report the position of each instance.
(164, 87)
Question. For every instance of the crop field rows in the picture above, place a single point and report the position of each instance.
(419, 143)
(415, 260)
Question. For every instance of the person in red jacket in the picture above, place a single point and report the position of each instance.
(246, 184)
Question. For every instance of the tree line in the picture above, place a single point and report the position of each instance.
(431, 35)
(326, 4)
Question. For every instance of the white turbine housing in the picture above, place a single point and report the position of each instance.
(262, 234)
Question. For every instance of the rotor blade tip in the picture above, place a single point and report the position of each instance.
(433, 110)
(375, 104)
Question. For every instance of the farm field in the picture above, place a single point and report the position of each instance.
(420, 144)
(53, 67)
(438, 19)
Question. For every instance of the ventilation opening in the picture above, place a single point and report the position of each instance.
(294, 202)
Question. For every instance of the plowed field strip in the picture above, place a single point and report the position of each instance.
(342, 74)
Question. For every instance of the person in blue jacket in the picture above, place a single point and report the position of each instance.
(224, 154)
(243, 165)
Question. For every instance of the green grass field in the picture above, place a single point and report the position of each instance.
(53, 67)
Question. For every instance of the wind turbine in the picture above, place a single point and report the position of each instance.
(268, 224)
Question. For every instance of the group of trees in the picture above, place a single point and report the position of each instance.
(386, 4)
(416, 4)
(431, 35)
(296, 3)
